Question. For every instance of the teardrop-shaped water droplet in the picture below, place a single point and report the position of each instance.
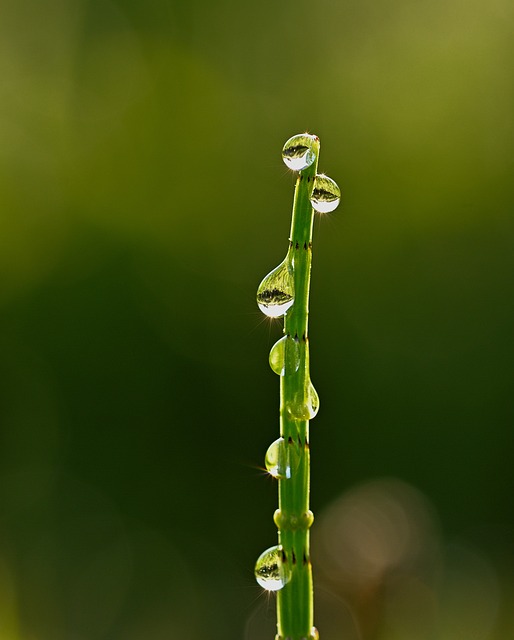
(299, 151)
(326, 195)
(275, 294)
(271, 572)
(284, 357)
(304, 405)
(313, 401)
(277, 460)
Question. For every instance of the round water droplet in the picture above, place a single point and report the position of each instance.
(284, 357)
(326, 195)
(275, 294)
(277, 460)
(299, 151)
(271, 571)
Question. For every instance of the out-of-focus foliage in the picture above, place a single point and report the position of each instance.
(142, 198)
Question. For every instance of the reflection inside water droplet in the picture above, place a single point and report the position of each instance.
(271, 572)
(299, 151)
(326, 195)
(275, 295)
(277, 460)
(284, 357)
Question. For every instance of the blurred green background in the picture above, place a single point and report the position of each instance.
(142, 199)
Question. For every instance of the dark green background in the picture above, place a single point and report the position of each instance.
(143, 197)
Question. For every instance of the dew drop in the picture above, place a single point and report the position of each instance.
(298, 152)
(313, 401)
(271, 572)
(284, 357)
(304, 406)
(314, 634)
(277, 460)
(275, 294)
(326, 195)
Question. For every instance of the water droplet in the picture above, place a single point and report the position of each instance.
(313, 635)
(271, 572)
(326, 195)
(275, 294)
(277, 460)
(299, 152)
(313, 401)
(284, 357)
(305, 405)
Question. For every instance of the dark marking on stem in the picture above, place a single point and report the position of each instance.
(294, 557)
(305, 558)
(305, 246)
(300, 441)
(307, 445)
(290, 440)
(290, 243)
(304, 338)
(297, 245)
(284, 557)
(310, 245)
(296, 336)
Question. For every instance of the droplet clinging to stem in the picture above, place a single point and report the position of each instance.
(326, 195)
(284, 357)
(278, 459)
(299, 151)
(271, 569)
(275, 294)
(286, 567)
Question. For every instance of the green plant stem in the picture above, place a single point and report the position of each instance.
(293, 518)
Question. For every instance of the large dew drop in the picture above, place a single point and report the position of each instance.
(277, 460)
(284, 357)
(326, 195)
(275, 294)
(298, 152)
(271, 572)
